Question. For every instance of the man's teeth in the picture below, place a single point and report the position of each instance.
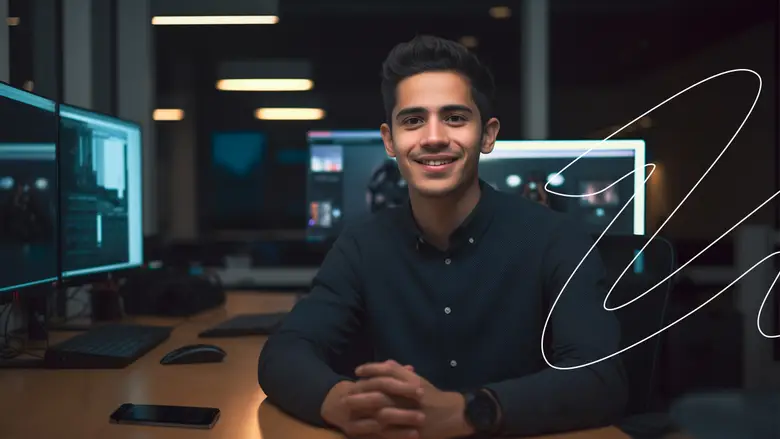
(437, 162)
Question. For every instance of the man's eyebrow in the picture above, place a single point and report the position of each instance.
(410, 110)
(446, 109)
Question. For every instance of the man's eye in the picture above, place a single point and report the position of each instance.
(412, 120)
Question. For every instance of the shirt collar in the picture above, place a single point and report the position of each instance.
(471, 229)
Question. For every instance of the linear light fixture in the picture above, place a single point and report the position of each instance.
(214, 20)
(289, 113)
(500, 12)
(168, 114)
(265, 84)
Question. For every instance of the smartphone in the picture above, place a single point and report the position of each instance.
(166, 415)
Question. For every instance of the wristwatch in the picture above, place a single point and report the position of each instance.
(482, 411)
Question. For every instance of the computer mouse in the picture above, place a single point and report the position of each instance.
(193, 354)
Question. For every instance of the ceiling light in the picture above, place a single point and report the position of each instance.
(469, 41)
(168, 114)
(265, 84)
(289, 113)
(213, 20)
(500, 12)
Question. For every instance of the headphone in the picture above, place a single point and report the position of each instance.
(386, 187)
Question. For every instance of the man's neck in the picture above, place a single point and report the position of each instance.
(437, 218)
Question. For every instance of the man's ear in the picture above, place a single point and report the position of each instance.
(489, 135)
(387, 139)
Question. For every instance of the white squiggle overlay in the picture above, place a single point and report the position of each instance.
(651, 166)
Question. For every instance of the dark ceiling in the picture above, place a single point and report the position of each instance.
(592, 41)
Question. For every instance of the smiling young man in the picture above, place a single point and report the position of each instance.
(452, 291)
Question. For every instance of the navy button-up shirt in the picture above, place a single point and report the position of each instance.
(468, 317)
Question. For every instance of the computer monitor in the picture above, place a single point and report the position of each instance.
(349, 174)
(524, 167)
(28, 190)
(101, 193)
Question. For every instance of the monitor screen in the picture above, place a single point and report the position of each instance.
(349, 174)
(524, 167)
(28, 189)
(101, 198)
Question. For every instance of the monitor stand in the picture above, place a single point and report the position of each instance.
(104, 308)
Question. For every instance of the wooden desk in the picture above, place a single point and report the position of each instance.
(76, 404)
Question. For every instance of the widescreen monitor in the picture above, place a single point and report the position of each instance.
(350, 174)
(28, 190)
(101, 193)
(523, 168)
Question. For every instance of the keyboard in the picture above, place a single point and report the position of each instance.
(246, 324)
(112, 346)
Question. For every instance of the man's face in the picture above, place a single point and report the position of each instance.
(436, 134)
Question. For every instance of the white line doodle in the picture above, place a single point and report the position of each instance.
(651, 166)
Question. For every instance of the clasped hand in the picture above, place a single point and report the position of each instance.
(390, 401)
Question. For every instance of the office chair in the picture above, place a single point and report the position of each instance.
(644, 415)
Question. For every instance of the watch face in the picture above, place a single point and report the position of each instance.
(481, 412)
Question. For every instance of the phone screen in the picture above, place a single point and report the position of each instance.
(197, 417)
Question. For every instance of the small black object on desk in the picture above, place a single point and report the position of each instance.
(194, 354)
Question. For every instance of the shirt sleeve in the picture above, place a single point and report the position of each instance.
(579, 331)
(295, 368)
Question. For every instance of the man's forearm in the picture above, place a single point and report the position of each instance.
(562, 400)
(295, 378)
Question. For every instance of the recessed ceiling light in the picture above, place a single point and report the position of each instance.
(500, 12)
(469, 41)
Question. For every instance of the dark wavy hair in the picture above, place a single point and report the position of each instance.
(426, 53)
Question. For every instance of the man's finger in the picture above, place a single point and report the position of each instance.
(389, 386)
(362, 427)
(388, 368)
(368, 402)
(395, 417)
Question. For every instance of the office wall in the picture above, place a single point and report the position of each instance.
(688, 134)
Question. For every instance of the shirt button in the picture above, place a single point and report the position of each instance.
(448, 261)
(447, 310)
(453, 363)
(471, 240)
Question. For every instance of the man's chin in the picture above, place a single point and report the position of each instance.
(436, 189)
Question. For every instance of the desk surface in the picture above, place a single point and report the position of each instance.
(77, 403)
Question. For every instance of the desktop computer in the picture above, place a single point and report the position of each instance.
(28, 190)
(101, 235)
